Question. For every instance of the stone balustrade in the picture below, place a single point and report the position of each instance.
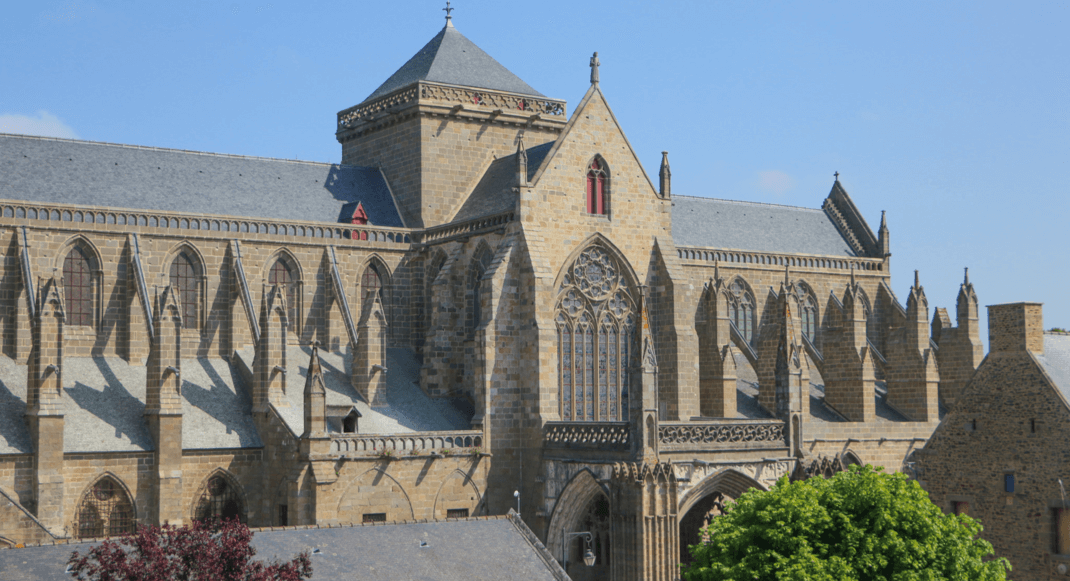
(731, 257)
(414, 443)
(593, 435)
(18, 212)
(492, 102)
(721, 434)
(439, 234)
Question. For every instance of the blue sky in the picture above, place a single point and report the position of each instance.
(952, 116)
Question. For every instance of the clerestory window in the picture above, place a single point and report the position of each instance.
(78, 288)
(741, 309)
(186, 282)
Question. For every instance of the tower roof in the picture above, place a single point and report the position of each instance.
(453, 59)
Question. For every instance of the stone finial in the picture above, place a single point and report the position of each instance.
(447, 10)
(594, 68)
(917, 283)
(521, 163)
(966, 277)
(883, 237)
(884, 221)
(666, 176)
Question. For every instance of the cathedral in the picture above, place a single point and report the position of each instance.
(487, 305)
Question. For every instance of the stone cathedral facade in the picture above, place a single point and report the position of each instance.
(488, 294)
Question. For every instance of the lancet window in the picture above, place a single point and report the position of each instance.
(282, 275)
(219, 500)
(370, 283)
(741, 309)
(597, 187)
(186, 281)
(596, 326)
(105, 510)
(807, 311)
(479, 266)
(78, 288)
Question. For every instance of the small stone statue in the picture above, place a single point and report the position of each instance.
(594, 69)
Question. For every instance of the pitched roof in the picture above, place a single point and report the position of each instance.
(476, 549)
(494, 192)
(453, 59)
(714, 223)
(66, 171)
(104, 403)
(1056, 360)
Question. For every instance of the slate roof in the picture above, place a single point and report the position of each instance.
(714, 223)
(475, 549)
(66, 171)
(494, 192)
(103, 407)
(453, 59)
(407, 409)
(1056, 360)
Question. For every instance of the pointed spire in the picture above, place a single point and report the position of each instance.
(884, 221)
(716, 270)
(521, 163)
(314, 382)
(666, 176)
(594, 68)
(883, 241)
(315, 398)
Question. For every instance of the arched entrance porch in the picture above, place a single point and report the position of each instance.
(707, 500)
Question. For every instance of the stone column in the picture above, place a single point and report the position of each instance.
(646, 531)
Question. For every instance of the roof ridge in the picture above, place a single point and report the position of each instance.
(175, 150)
(747, 202)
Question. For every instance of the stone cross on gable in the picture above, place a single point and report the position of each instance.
(594, 69)
(448, 10)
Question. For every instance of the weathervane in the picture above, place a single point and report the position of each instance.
(448, 10)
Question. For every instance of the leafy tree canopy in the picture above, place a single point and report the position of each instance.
(862, 525)
(217, 551)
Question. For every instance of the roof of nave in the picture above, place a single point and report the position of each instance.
(408, 408)
(66, 171)
(494, 192)
(452, 59)
(471, 549)
(1056, 360)
(104, 402)
(715, 223)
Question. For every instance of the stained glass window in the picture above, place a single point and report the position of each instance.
(595, 325)
(281, 275)
(185, 281)
(741, 309)
(597, 182)
(78, 288)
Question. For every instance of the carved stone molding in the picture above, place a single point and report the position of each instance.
(688, 436)
(594, 435)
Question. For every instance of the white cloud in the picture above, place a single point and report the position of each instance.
(44, 124)
(775, 181)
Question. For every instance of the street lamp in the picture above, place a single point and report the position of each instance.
(588, 556)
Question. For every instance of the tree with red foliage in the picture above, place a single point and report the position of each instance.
(219, 551)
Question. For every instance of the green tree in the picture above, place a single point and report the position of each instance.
(861, 525)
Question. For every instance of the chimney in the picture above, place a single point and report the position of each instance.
(1016, 328)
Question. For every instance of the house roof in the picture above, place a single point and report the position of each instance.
(498, 548)
(715, 223)
(66, 171)
(494, 192)
(1056, 360)
(452, 59)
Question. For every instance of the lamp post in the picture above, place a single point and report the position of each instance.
(588, 556)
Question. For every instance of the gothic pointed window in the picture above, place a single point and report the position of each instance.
(741, 309)
(370, 283)
(78, 288)
(105, 510)
(282, 275)
(597, 187)
(807, 311)
(186, 282)
(219, 500)
(595, 330)
(480, 263)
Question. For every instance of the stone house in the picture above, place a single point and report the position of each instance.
(1000, 455)
(486, 295)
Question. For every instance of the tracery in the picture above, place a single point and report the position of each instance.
(741, 309)
(595, 325)
(105, 510)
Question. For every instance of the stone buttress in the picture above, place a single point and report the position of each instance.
(913, 378)
(717, 365)
(369, 358)
(44, 412)
(848, 372)
(163, 406)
